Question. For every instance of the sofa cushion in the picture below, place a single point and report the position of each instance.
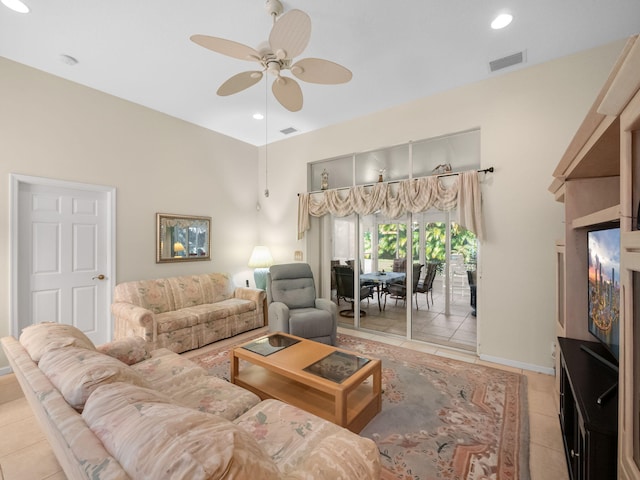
(175, 320)
(129, 350)
(76, 372)
(153, 438)
(210, 312)
(155, 295)
(40, 338)
(192, 290)
(189, 385)
(305, 446)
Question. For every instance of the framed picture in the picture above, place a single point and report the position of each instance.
(182, 238)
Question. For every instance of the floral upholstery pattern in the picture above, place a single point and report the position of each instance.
(154, 438)
(40, 338)
(186, 312)
(178, 422)
(306, 446)
(76, 372)
(84, 454)
(189, 385)
(129, 350)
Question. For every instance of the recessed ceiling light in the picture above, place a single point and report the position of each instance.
(258, 116)
(16, 6)
(501, 21)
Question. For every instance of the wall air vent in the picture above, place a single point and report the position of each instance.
(507, 61)
(287, 131)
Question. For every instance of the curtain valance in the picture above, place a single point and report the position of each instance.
(393, 200)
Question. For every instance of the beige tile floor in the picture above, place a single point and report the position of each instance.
(25, 453)
(429, 323)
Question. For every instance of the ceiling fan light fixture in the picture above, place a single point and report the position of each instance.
(273, 68)
(501, 21)
(16, 6)
(288, 38)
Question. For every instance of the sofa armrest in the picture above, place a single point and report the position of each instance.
(254, 294)
(132, 320)
(278, 317)
(341, 455)
(329, 306)
(129, 350)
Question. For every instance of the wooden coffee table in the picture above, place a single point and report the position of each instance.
(348, 398)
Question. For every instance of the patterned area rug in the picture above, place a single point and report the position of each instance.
(440, 418)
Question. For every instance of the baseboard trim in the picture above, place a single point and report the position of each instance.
(522, 365)
(5, 371)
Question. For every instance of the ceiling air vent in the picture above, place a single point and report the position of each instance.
(287, 131)
(507, 61)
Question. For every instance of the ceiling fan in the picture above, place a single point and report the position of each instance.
(288, 38)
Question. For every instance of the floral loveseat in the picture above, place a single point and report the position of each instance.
(120, 411)
(187, 312)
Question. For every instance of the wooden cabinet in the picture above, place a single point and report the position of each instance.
(588, 411)
(598, 179)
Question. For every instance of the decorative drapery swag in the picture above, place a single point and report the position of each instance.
(393, 200)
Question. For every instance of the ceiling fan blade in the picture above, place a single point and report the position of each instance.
(226, 47)
(288, 93)
(317, 70)
(239, 82)
(290, 34)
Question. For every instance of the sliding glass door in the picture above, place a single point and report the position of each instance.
(445, 307)
(407, 277)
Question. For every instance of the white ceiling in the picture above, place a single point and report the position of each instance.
(399, 51)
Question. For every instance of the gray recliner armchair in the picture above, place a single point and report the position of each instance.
(293, 306)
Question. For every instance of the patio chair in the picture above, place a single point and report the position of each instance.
(426, 286)
(344, 283)
(398, 291)
(471, 275)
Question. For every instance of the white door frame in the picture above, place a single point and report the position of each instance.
(15, 181)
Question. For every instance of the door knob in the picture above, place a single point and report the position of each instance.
(99, 277)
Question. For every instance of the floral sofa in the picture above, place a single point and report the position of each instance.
(120, 411)
(187, 312)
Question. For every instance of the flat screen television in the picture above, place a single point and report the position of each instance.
(604, 287)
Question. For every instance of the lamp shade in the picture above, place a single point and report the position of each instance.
(260, 257)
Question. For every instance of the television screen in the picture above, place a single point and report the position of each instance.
(604, 287)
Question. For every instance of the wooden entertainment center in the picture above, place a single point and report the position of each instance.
(588, 411)
(598, 179)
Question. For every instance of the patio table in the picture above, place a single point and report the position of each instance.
(380, 279)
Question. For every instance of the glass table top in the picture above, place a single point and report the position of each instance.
(337, 366)
(267, 345)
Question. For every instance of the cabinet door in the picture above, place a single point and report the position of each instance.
(569, 423)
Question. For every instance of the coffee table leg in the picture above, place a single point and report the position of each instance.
(234, 366)
(377, 386)
(341, 409)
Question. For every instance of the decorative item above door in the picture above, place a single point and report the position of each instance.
(182, 238)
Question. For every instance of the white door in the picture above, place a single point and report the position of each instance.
(64, 260)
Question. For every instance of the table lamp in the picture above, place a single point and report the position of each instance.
(260, 260)
(178, 249)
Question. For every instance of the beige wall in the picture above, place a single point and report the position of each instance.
(54, 128)
(527, 119)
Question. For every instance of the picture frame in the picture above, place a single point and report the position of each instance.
(182, 238)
